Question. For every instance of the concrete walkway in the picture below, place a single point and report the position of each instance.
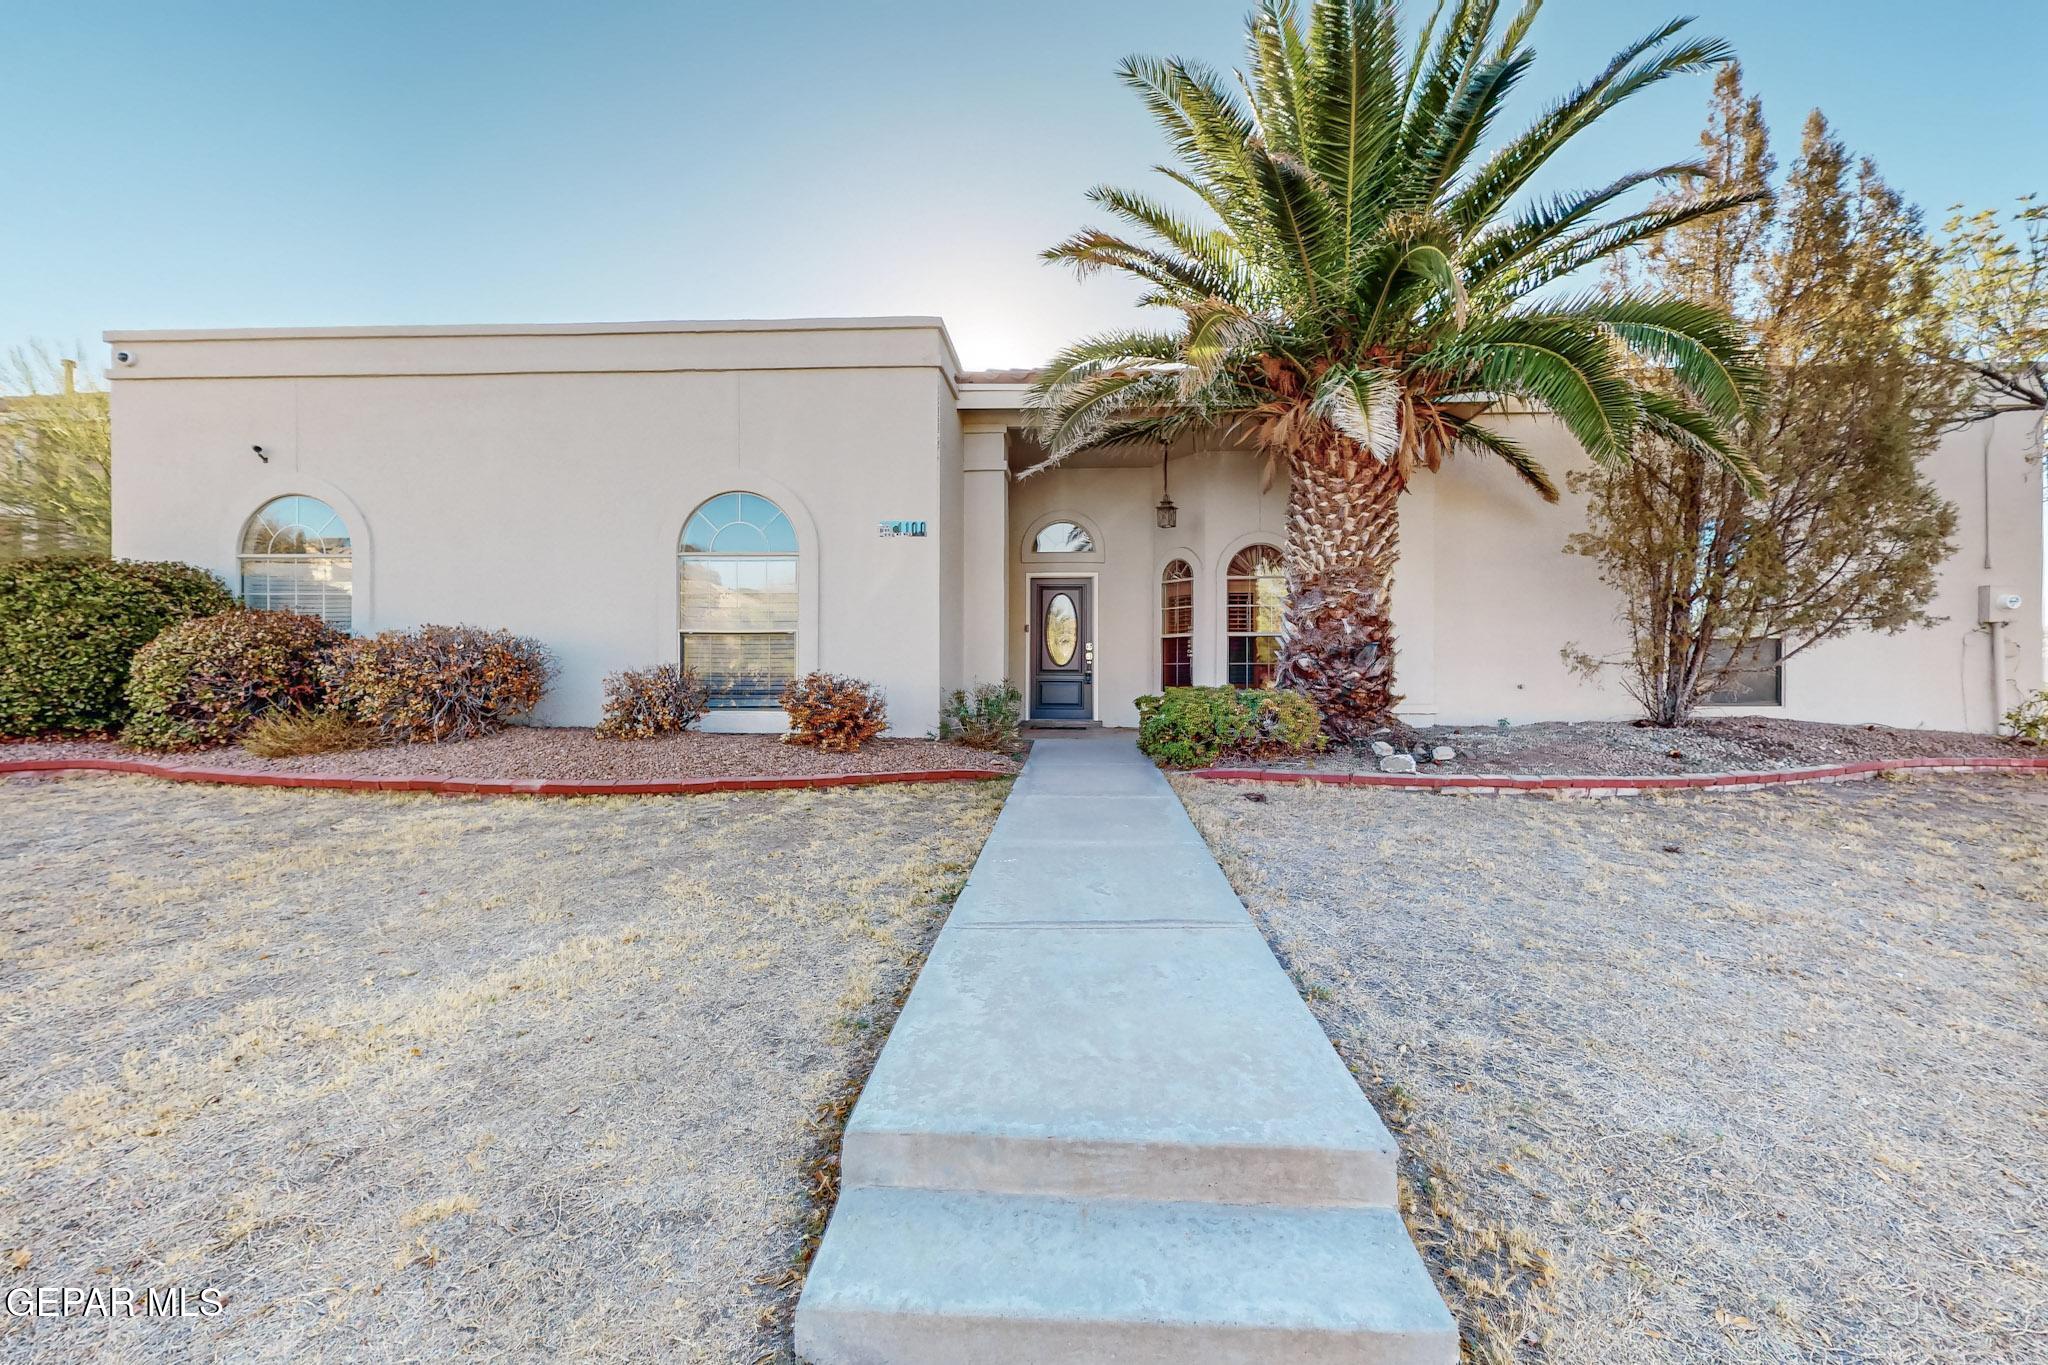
(1105, 1126)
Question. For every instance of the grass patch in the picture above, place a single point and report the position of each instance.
(1735, 1076)
(490, 1077)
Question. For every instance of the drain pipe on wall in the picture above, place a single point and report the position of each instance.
(1997, 629)
(1985, 616)
(1997, 606)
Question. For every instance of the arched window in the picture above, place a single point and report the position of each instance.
(1255, 601)
(736, 567)
(1062, 538)
(296, 556)
(1177, 625)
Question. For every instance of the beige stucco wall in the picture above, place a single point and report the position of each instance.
(1221, 511)
(538, 479)
(1506, 600)
(1485, 597)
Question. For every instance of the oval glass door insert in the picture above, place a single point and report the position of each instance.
(1062, 629)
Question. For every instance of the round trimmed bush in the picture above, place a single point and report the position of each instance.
(641, 703)
(70, 627)
(438, 683)
(206, 681)
(1191, 727)
(833, 712)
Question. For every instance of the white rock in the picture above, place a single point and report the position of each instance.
(1397, 763)
(1443, 753)
(1380, 748)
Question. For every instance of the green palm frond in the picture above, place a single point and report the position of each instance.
(1488, 441)
(1692, 430)
(1354, 257)
(1216, 336)
(1704, 349)
(1563, 258)
(1092, 249)
(1416, 260)
(1279, 63)
(1299, 226)
(1571, 369)
(1467, 122)
(1445, 76)
(1629, 74)
(1098, 409)
(1543, 224)
(1355, 112)
(1112, 352)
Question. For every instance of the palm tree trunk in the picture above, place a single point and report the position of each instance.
(1343, 529)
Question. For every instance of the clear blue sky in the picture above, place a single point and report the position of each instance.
(206, 163)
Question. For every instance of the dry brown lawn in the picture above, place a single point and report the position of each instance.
(406, 1077)
(1717, 1077)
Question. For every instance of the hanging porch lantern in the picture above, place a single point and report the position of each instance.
(1166, 512)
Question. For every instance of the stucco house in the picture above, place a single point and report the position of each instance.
(765, 498)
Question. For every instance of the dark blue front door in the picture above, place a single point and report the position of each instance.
(1062, 649)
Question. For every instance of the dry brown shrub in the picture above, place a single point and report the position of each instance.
(833, 712)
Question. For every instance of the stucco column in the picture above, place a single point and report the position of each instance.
(984, 551)
(1415, 603)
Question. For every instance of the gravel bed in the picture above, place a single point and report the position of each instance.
(424, 1078)
(570, 755)
(1747, 1077)
(1712, 745)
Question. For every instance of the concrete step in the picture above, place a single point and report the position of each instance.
(945, 1276)
(1074, 1057)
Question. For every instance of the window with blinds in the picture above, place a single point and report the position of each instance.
(297, 556)
(736, 571)
(1177, 625)
(1255, 604)
(1756, 679)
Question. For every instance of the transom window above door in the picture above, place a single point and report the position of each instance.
(736, 575)
(1062, 538)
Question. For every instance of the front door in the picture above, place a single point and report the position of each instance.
(1062, 649)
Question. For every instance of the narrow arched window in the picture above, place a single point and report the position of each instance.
(297, 556)
(1255, 602)
(736, 568)
(1177, 625)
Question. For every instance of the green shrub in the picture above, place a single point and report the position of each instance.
(1191, 727)
(295, 734)
(985, 718)
(205, 681)
(1286, 722)
(438, 683)
(833, 712)
(2029, 720)
(643, 703)
(70, 627)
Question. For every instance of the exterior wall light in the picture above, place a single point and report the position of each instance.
(1166, 512)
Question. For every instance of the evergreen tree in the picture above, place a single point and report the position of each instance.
(1837, 281)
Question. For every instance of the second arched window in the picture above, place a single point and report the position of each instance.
(1255, 604)
(736, 567)
(1177, 625)
(296, 555)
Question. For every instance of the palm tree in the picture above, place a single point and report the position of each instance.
(1365, 282)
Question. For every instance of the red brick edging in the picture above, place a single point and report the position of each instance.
(483, 786)
(1492, 784)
